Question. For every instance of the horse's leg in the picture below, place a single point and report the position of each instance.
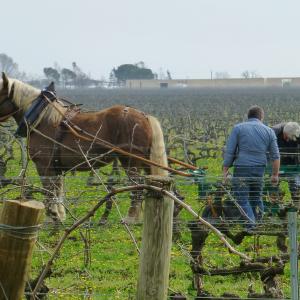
(133, 169)
(176, 211)
(136, 199)
(54, 195)
(199, 235)
(110, 184)
(60, 198)
(92, 180)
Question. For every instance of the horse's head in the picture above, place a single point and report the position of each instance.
(7, 107)
(15, 97)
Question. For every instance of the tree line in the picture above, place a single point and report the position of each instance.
(76, 77)
(70, 77)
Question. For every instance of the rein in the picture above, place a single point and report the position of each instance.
(4, 118)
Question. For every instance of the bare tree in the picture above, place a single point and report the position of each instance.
(52, 74)
(246, 74)
(254, 74)
(68, 77)
(161, 74)
(222, 75)
(57, 67)
(250, 74)
(113, 81)
(8, 66)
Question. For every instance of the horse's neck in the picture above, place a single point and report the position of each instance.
(23, 97)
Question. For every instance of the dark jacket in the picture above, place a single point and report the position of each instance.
(289, 150)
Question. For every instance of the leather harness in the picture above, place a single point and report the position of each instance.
(37, 107)
(59, 136)
(31, 116)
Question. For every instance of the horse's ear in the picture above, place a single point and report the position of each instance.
(11, 92)
(5, 80)
(51, 87)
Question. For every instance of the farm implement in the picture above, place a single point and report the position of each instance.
(224, 213)
(219, 195)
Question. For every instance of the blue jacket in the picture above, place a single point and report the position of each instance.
(250, 144)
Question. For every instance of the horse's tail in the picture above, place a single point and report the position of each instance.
(158, 151)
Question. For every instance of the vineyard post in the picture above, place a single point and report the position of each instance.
(292, 226)
(19, 223)
(155, 255)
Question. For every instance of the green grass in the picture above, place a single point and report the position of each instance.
(112, 273)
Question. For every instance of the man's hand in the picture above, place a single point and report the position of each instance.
(226, 175)
(274, 179)
(275, 172)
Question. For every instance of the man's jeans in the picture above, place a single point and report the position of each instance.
(247, 187)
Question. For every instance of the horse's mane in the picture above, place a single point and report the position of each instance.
(23, 96)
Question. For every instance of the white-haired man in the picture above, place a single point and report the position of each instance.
(288, 140)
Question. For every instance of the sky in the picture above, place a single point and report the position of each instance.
(190, 38)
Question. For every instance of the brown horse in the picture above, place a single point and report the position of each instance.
(54, 148)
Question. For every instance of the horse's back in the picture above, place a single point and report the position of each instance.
(119, 125)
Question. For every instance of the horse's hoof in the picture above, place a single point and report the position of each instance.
(92, 181)
(176, 236)
(102, 222)
(54, 230)
(239, 237)
(129, 220)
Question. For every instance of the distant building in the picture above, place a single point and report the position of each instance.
(213, 83)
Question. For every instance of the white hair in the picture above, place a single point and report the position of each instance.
(292, 130)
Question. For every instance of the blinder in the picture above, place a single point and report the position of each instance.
(38, 105)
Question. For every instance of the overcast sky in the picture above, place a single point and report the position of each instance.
(190, 38)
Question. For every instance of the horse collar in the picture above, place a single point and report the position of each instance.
(32, 114)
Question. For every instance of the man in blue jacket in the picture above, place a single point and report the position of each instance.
(247, 149)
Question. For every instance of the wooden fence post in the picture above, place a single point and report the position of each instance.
(19, 222)
(292, 229)
(155, 255)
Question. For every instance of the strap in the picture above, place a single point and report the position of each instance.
(34, 111)
(59, 136)
(56, 159)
